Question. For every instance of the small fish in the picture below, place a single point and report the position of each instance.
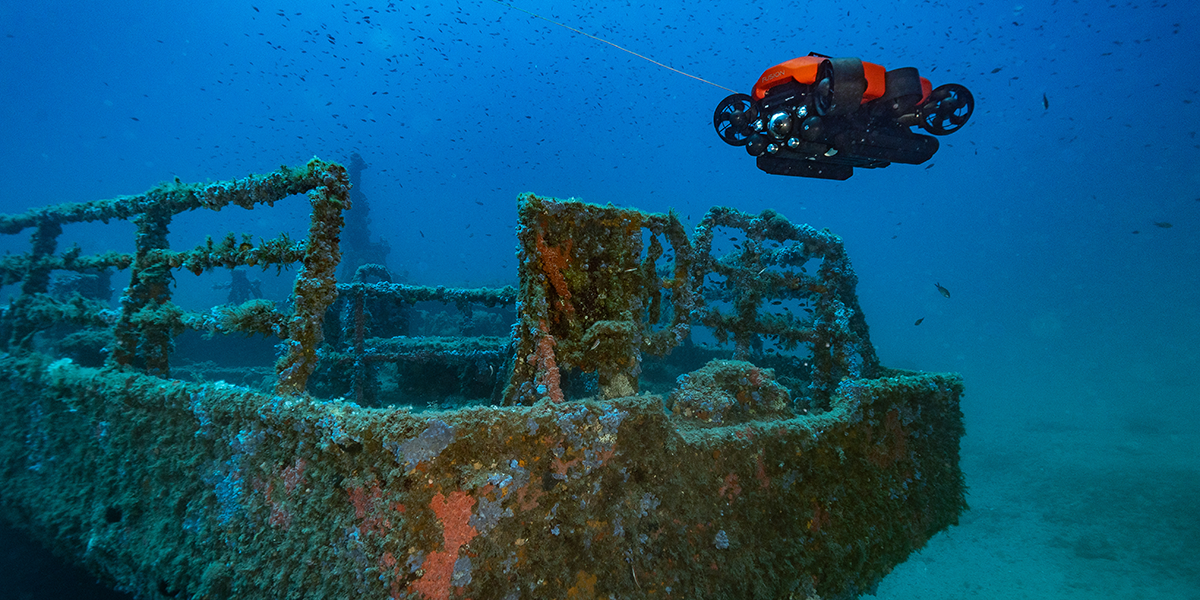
(941, 290)
(1045, 102)
(919, 321)
(1163, 224)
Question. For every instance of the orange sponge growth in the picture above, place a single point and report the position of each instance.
(548, 381)
(554, 262)
(454, 513)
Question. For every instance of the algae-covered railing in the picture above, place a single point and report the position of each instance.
(360, 349)
(595, 298)
(601, 288)
(145, 325)
(147, 321)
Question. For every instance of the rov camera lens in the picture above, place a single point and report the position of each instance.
(780, 124)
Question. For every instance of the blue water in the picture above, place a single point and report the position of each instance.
(1072, 314)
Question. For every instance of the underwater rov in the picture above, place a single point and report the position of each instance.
(816, 116)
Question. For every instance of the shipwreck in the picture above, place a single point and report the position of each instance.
(655, 418)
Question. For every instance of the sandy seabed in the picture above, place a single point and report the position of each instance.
(1070, 507)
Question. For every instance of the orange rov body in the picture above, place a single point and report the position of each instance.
(804, 70)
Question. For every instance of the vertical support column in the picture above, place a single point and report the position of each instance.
(614, 345)
(149, 321)
(360, 332)
(748, 290)
(316, 284)
(44, 242)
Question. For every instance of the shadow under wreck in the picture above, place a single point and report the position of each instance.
(643, 416)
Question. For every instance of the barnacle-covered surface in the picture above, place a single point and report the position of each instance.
(789, 465)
